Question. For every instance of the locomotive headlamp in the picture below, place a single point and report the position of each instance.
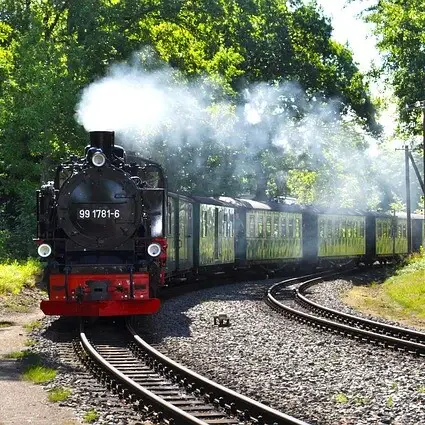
(98, 159)
(44, 250)
(154, 249)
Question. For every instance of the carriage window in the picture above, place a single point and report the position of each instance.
(337, 232)
(225, 225)
(322, 229)
(268, 226)
(330, 225)
(260, 226)
(251, 226)
(384, 230)
(349, 229)
(362, 230)
(379, 230)
(291, 228)
(404, 231)
(297, 228)
(276, 226)
(283, 227)
(204, 224)
(230, 224)
(343, 229)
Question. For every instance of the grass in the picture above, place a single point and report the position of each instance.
(91, 416)
(401, 297)
(34, 370)
(28, 356)
(14, 276)
(341, 398)
(59, 394)
(39, 374)
(16, 355)
(29, 342)
(360, 401)
(33, 325)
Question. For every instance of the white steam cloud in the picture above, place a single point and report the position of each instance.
(154, 110)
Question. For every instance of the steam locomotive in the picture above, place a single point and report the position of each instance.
(112, 234)
(101, 230)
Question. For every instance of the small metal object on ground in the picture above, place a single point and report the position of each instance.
(221, 320)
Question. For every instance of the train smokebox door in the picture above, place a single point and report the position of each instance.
(216, 234)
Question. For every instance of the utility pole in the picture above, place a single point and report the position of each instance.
(423, 147)
(409, 214)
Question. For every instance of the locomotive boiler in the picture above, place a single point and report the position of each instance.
(101, 226)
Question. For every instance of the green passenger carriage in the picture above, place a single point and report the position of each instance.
(341, 236)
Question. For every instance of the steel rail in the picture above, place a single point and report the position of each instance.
(403, 333)
(179, 416)
(367, 335)
(257, 411)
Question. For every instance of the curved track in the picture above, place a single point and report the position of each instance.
(163, 389)
(284, 293)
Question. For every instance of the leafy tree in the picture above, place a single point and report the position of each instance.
(399, 28)
(50, 50)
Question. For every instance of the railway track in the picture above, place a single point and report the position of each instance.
(162, 389)
(288, 297)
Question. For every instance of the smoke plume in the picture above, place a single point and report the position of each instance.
(271, 136)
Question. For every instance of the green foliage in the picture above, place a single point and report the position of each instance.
(50, 51)
(399, 27)
(407, 286)
(16, 355)
(59, 394)
(39, 374)
(29, 327)
(17, 275)
(341, 398)
(91, 416)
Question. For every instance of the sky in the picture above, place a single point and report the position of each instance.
(349, 27)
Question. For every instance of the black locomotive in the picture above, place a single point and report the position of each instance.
(101, 230)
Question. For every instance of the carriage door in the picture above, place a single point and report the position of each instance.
(216, 234)
(185, 235)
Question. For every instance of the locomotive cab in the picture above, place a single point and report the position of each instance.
(100, 228)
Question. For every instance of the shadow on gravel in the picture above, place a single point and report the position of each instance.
(173, 319)
(377, 275)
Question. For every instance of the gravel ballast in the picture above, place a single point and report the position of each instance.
(316, 376)
(87, 395)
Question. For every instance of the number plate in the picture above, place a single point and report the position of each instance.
(101, 213)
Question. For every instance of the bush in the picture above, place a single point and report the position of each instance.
(15, 276)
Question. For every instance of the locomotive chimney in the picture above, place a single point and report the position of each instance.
(103, 140)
